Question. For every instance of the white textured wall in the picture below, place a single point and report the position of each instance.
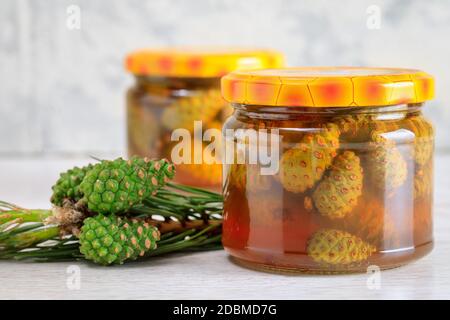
(62, 91)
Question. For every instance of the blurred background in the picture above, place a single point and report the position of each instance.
(63, 85)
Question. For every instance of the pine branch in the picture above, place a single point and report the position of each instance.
(68, 248)
(25, 215)
(191, 221)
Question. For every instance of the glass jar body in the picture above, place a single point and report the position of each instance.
(353, 189)
(156, 107)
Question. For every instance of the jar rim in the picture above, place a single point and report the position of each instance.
(287, 112)
(328, 87)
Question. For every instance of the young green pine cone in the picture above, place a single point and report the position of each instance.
(387, 166)
(68, 185)
(338, 193)
(111, 240)
(302, 166)
(337, 247)
(115, 186)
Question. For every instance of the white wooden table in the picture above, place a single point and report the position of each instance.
(209, 275)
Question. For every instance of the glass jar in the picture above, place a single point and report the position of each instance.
(353, 182)
(176, 97)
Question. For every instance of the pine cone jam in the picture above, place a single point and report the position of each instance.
(353, 186)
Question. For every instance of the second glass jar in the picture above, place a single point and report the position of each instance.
(176, 87)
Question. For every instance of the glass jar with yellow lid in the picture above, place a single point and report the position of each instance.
(176, 97)
(346, 178)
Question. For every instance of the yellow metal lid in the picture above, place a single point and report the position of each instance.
(328, 87)
(200, 62)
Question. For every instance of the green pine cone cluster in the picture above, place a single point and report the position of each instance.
(68, 185)
(113, 186)
(110, 239)
(105, 213)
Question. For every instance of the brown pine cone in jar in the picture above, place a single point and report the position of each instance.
(386, 166)
(354, 127)
(337, 247)
(338, 193)
(302, 166)
(248, 178)
(423, 182)
(370, 221)
(204, 106)
(424, 142)
(202, 174)
(143, 131)
(265, 210)
(360, 127)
